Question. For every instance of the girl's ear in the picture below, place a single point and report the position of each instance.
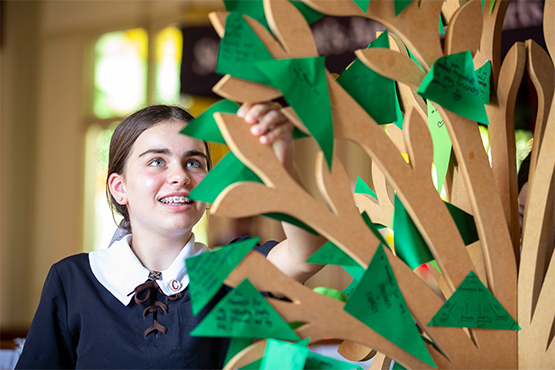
(117, 188)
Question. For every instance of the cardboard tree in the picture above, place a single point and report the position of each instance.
(523, 284)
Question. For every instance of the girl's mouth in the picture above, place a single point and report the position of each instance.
(176, 200)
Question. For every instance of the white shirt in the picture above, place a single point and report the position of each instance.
(119, 270)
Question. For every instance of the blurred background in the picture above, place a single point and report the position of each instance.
(71, 70)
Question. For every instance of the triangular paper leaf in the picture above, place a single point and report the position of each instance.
(400, 5)
(374, 93)
(228, 171)
(465, 223)
(316, 361)
(252, 8)
(379, 304)
(473, 306)
(409, 244)
(452, 83)
(207, 271)
(350, 289)
(239, 48)
(441, 143)
(362, 4)
(244, 313)
(283, 355)
(362, 188)
(304, 86)
(204, 127)
(483, 74)
(330, 254)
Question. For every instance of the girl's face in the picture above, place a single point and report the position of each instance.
(162, 168)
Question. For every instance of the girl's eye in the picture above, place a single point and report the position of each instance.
(193, 163)
(156, 162)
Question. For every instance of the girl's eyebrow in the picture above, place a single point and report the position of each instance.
(190, 153)
(156, 151)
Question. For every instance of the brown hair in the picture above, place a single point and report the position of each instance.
(124, 138)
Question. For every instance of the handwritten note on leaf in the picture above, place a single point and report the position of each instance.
(379, 304)
(208, 271)
(452, 83)
(483, 75)
(239, 48)
(244, 313)
(441, 142)
(304, 86)
(473, 306)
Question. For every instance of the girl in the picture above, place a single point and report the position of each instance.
(127, 306)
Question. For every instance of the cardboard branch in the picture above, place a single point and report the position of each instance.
(541, 72)
(490, 44)
(502, 138)
(393, 65)
(290, 28)
(537, 246)
(465, 29)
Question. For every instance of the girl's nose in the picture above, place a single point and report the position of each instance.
(179, 178)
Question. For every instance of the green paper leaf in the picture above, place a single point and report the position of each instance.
(397, 366)
(208, 271)
(236, 345)
(252, 8)
(362, 188)
(316, 361)
(239, 48)
(228, 171)
(349, 290)
(330, 254)
(473, 306)
(379, 304)
(374, 93)
(291, 220)
(303, 84)
(363, 4)
(491, 6)
(282, 355)
(308, 13)
(483, 75)
(400, 5)
(452, 83)
(441, 142)
(465, 223)
(244, 313)
(204, 127)
(409, 244)
(441, 27)
(331, 293)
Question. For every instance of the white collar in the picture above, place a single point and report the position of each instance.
(120, 271)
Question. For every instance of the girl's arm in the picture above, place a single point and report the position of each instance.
(273, 128)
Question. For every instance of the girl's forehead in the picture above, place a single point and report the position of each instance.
(167, 135)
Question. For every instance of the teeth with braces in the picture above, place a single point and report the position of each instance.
(176, 200)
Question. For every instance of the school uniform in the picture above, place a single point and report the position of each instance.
(103, 310)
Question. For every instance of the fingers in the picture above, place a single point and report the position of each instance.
(268, 123)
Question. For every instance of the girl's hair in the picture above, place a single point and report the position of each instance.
(124, 138)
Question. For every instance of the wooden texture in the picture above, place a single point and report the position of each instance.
(487, 192)
(465, 29)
